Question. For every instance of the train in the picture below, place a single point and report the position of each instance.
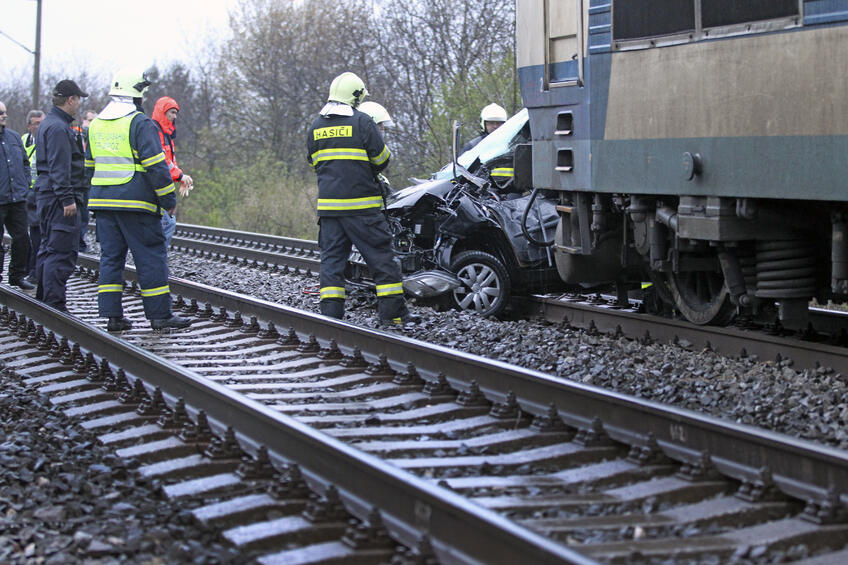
(701, 145)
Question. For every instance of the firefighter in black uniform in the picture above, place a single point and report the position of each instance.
(347, 151)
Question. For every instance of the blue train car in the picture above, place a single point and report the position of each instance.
(701, 143)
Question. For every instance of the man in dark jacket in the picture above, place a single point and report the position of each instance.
(347, 151)
(60, 185)
(14, 184)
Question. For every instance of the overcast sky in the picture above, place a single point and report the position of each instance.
(104, 35)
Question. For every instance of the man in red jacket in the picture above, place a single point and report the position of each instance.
(164, 116)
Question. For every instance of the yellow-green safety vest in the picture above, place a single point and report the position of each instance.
(115, 162)
(30, 153)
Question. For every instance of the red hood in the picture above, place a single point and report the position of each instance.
(163, 105)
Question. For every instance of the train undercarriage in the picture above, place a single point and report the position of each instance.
(713, 259)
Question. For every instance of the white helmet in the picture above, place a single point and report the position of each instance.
(129, 82)
(348, 89)
(492, 113)
(378, 113)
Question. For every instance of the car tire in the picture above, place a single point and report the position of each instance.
(486, 284)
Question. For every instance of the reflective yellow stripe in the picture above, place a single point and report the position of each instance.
(153, 160)
(113, 203)
(332, 292)
(397, 320)
(110, 288)
(503, 172)
(647, 285)
(388, 289)
(89, 162)
(148, 292)
(382, 157)
(165, 190)
(345, 153)
(350, 203)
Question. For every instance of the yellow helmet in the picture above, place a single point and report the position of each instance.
(129, 81)
(378, 113)
(492, 113)
(348, 89)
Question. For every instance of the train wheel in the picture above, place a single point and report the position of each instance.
(486, 284)
(702, 297)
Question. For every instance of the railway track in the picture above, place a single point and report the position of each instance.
(823, 344)
(558, 464)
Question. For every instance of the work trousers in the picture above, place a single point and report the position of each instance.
(14, 218)
(57, 252)
(169, 226)
(370, 234)
(141, 233)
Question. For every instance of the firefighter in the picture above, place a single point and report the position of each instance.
(346, 150)
(379, 114)
(383, 120)
(491, 118)
(130, 187)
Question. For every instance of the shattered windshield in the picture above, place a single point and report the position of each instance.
(497, 143)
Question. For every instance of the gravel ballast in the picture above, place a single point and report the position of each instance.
(66, 499)
(810, 404)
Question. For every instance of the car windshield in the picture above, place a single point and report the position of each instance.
(497, 143)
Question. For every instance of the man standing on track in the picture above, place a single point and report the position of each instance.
(34, 119)
(130, 188)
(347, 151)
(165, 116)
(14, 185)
(60, 185)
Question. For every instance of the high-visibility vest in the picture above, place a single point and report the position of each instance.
(30, 153)
(115, 162)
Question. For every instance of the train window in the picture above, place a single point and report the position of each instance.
(641, 24)
(565, 160)
(716, 13)
(565, 124)
(635, 19)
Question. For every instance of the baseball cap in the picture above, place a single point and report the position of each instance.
(68, 87)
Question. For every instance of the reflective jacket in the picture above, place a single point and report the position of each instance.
(14, 168)
(130, 173)
(347, 152)
(167, 133)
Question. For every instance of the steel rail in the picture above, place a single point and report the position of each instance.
(799, 468)
(290, 243)
(307, 264)
(728, 341)
(461, 531)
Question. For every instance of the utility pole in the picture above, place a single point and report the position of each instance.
(36, 67)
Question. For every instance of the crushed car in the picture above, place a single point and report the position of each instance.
(472, 235)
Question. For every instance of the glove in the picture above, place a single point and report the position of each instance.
(186, 184)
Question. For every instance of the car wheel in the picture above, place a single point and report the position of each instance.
(485, 283)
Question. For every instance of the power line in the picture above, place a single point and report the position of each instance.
(16, 42)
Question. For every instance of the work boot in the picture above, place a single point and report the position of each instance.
(401, 321)
(22, 283)
(174, 322)
(118, 324)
